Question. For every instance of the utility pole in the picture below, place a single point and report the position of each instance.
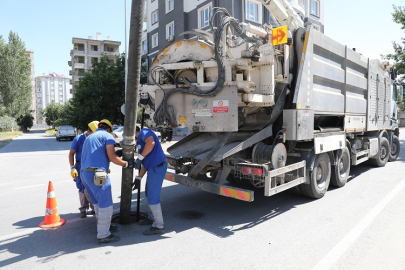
(131, 105)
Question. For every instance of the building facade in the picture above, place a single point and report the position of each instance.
(30, 56)
(86, 51)
(166, 19)
(52, 88)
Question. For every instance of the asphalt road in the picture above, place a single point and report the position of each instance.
(359, 226)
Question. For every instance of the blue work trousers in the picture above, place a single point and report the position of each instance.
(100, 195)
(154, 183)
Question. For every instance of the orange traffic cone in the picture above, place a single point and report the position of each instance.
(52, 218)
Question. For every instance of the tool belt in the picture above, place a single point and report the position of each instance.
(100, 176)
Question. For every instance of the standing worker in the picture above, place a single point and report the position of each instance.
(151, 159)
(76, 149)
(98, 151)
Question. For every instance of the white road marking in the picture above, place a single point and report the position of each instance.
(337, 251)
(39, 185)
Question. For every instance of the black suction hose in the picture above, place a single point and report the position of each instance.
(210, 156)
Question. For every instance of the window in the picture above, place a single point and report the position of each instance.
(252, 11)
(204, 15)
(170, 31)
(155, 40)
(94, 60)
(155, 17)
(315, 8)
(94, 48)
(169, 5)
(144, 46)
(80, 47)
(109, 49)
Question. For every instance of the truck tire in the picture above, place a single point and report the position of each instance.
(341, 171)
(383, 153)
(395, 148)
(319, 178)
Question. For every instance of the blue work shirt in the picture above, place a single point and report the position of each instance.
(77, 145)
(94, 153)
(156, 156)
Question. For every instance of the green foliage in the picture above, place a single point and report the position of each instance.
(139, 115)
(52, 113)
(100, 94)
(399, 48)
(8, 123)
(25, 121)
(15, 81)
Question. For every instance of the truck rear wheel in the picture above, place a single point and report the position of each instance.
(319, 178)
(395, 148)
(341, 171)
(383, 153)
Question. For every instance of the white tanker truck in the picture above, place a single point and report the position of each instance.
(280, 108)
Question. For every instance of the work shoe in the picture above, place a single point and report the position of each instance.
(146, 221)
(83, 214)
(110, 239)
(91, 213)
(113, 228)
(154, 230)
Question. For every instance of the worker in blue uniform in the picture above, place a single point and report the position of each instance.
(98, 151)
(76, 150)
(151, 159)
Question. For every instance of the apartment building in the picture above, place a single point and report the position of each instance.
(52, 88)
(30, 56)
(87, 51)
(166, 19)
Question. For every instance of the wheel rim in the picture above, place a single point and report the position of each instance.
(383, 152)
(343, 165)
(321, 174)
(394, 149)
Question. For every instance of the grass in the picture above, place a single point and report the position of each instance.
(50, 131)
(7, 136)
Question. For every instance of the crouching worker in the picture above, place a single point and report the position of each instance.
(151, 159)
(76, 150)
(98, 151)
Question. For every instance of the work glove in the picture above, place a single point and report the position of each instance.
(119, 152)
(130, 164)
(73, 173)
(138, 162)
(137, 182)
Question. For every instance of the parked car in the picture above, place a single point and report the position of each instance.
(117, 133)
(65, 132)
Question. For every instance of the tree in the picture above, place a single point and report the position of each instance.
(15, 82)
(25, 121)
(100, 93)
(399, 56)
(52, 113)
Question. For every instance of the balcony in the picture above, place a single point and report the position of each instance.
(70, 63)
(70, 73)
(76, 52)
(78, 65)
(71, 82)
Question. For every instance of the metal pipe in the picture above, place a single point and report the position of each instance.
(131, 106)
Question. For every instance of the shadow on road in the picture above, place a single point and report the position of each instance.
(35, 141)
(183, 209)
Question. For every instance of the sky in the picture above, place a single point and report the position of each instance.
(47, 27)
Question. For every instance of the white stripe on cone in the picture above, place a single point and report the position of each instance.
(51, 194)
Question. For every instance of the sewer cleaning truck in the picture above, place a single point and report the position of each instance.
(277, 107)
